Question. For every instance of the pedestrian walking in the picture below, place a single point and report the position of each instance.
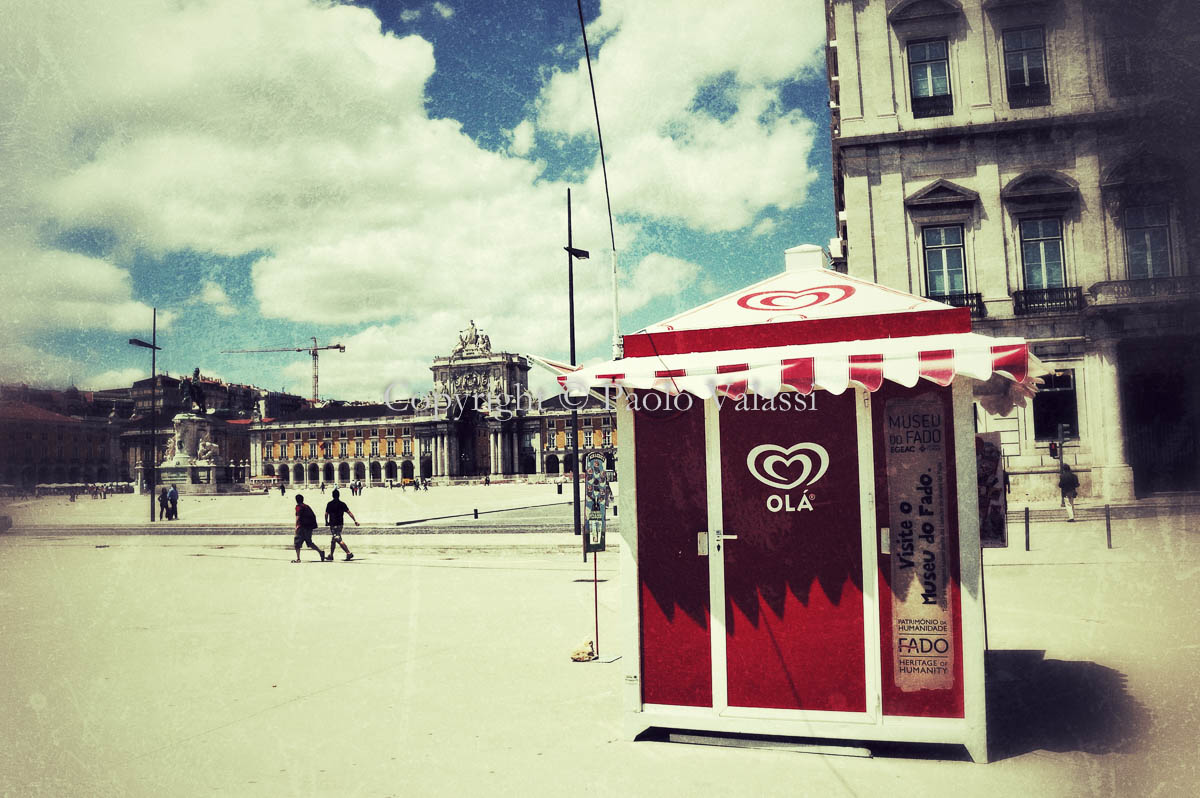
(306, 524)
(322, 487)
(162, 503)
(334, 512)
(173, 504)
(1068, 483)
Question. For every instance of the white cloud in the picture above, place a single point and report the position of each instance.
(521, 139)
(299, 129)
(113, 378)
(669, 159)
(410, 15)
(22, 363)
(765, 227)
(172, 128)
(659, 275)
(51, 289)
(213, 294)
(444, 10)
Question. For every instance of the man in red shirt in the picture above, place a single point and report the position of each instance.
(306, 524)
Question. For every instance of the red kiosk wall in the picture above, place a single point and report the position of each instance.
(672, 507)
(939, 703)
(793, 576)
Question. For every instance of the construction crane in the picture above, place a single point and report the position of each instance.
(312, 350)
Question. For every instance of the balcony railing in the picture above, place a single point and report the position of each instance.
(972, 301)
(1029, 96)
(1151, 288)
(940, 105)
(1047, 300)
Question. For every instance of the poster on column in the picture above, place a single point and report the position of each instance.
(922, 620)
(597, 496)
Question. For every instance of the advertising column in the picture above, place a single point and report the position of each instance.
(922, 619)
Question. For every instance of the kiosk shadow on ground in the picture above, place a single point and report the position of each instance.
(1033, 704)
(1038, 704)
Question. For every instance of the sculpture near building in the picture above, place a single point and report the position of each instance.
(192, 394)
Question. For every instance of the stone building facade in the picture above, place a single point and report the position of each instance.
(1029, 159)
(41, 446)
(479, 421)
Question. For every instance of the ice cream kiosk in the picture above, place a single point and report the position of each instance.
(800, 542)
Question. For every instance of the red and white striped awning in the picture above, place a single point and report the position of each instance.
(808, 330)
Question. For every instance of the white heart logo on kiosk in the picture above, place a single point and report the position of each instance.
(764, 460)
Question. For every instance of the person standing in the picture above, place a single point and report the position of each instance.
(334, 512)
(306, 524)
(173, 504)
(162, 503)
(1068, 484)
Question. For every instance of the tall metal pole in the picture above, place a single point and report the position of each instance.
(574, 412)
(153, 405)
(617, 348)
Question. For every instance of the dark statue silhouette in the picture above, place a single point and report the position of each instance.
(192, 394)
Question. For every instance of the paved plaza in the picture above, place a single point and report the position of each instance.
(376, 508)
(438, 664)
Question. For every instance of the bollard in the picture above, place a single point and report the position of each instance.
(614, 511)
(1026, 529)
(1108, 525)
(560, 489)
(476, 513)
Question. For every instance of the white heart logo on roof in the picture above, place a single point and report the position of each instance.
(796, 300)
(764, 462)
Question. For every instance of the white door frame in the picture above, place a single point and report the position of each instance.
(716, 576)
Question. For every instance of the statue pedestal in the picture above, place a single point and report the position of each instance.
(195, 468)
(198, 479)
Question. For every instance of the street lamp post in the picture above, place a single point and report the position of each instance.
(572, 254)
(153, 347)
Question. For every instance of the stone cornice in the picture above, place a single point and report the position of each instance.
(984, 129)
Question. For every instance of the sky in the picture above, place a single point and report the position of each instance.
(379, 174)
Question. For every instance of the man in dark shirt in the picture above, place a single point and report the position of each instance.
(306, 524)
(333, 519)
